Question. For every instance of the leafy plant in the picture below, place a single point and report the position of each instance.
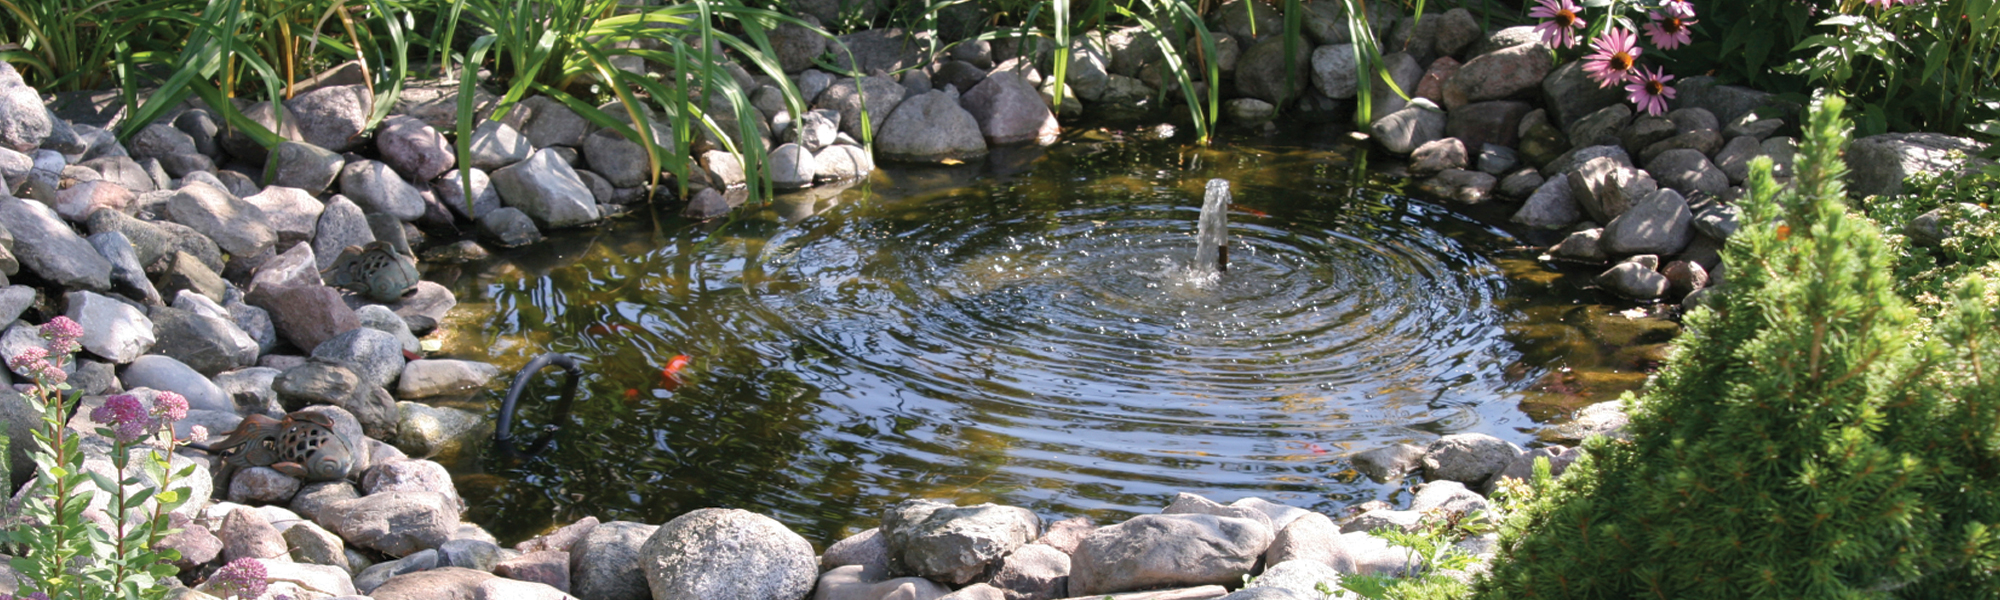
(65, 554)
(1963, 215)
(1912, 66)
(75, 44)
(1800, 443)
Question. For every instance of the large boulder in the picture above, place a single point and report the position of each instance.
(930, 128)
(607, 563)
(414, 148)
(394, 523)
(333, 117)
(1157, 551)
(1261, 73)
(1009, 110)
(877, 94)
(46, 245)
(547, 190)
(952, 544)
(1568, 93)
(24, 123)
(727, 553)
(239, 228)
(1499, 75)
(1658, 224)
(1333, 71)
(1878, 164)
(376, 187)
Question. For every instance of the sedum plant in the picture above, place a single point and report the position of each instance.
(63, 552)
(1802, 443)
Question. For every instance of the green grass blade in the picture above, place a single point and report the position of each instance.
(467, 73)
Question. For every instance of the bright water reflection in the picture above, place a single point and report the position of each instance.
(1022, 337)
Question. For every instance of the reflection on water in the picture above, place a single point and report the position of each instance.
(1018, 332)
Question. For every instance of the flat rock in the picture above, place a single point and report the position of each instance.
(546, 189)
(46, 245)
(953, 544)
(394, 523)
(1469, 458)
(114, 330)
(1156, 551)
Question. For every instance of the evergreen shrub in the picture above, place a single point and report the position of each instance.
(1802, 444)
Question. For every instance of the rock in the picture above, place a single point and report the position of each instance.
(46, 245)
(1540, 142)
(1878, 164)
(1155, 551)
(1659, 224)
(865, 549)
(551, 123)
(1600, 128)
(175, 151)
(1248, 112)
(442, 583)
(547, 190)
(607, 564)
(509, 227)
(208, 343)
(879, 94)
(857, 582)
(262, 485)
(1469, 458)
(382, 318)
(1438, 155)
(841, 162)
(247, 534)
(1383, 518)
(508, 589)
(1689, 172)
(953, 544)
(1301, 578)
(307, 167)
(1481, 123)
(1705, 141)
(1645, 131)
(1312, 538)
(792, 167)
(314, 499)
(478, 555)
(312, 544)
(1459, 185)
(375, 356)
(1034, 572)
(1684, 277)
(1753, 126)
(14, 300)
(1552, 206)
(1606, 189)
(394, 523)
(76, 203)
(1401, 132)
(197, 546)
(930, 128)
(547, 567)
(1404, 71)
(163, 373)
(1333, 71)
(1569, 93)
(332, 117)
(429, 431)
(376, 575)
(239, 228)
(1727, 102)
(414, 149)
(450, 191)
(291, 212)
(1388, 463)
(24, 123)
(377, 188)
(1431, 87)
(1009, 111)
(1261, 72)
(1498, 75)
(496, 144)
(442, 377)
(1449, 496)
(1603, 418)
(1734, 157)
(1559, 457)
(1634, 280)
(621, 161)
(111, 329)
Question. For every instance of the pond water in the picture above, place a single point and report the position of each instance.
(1021, 331)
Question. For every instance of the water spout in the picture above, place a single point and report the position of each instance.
(1211, 251)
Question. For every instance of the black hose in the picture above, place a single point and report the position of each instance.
(503, 433)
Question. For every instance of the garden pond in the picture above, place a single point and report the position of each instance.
(1022, 330)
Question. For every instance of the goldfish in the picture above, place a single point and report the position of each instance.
(670, 375)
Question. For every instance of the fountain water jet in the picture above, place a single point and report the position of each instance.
(1211, 251)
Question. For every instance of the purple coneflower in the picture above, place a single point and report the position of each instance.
(1649, 91)
(1616, 57)
(1560, 29)
(1669, 30)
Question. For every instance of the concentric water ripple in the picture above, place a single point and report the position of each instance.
(1031, 339)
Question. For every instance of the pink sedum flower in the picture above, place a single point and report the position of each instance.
(1616, 58)
(62, 334)
(1559, 30)
(170, 406)
(242, 578)
(1670, 30)
(34, 362)
(198, 434)
(125, 415)
(1649, 91)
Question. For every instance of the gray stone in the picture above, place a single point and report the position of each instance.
(1156, 551)
(1261, 72)
(425, 431)
(251, 391)
(1734, 158)
(1605, 188)
(478, 555)
(1388, 463)
(1581, 246)
(1603, 418)
(111, 329)
(24, 122)
(1248, 112)
(247, 534)
(14, 300)
(341, 223)
(1300, 578)
(1313, 538)
(382, 318)
(1438, 155)
(1469, 458)
(547, 567)
(1569, 160)
(866, 549)
(1552, 206)
(1034, 572)
(46, 245)
(858, 582)
(547, 190)
(727, 553)
(1452, 497)
(128, 276)
(1645, 131)
(879, 94)
(1689, 172)
(312, 544)
(374, 576)
(1247, 19)
(1089, 72)
(509, 227)
(1635, 280)
(262, 485)
(1499, 75)
(607, 563)
(1878, 164)
(208, 343)
(414, 149)
(304, 310)
(792, 167)
(1684, 277)
(496, 144)
(1753, 126)
(842, 162)
(393, 523)
(292, 213)
(953, 544)
(77, 202)
(931, 128)
(375, 356)
(332, 117)
(551, 123)
(1459, 185)
(307, 167)
(1727, 102)
(1705, 141)
(1479, 124)
(450, 191)
(1333, 71)
(1009, 110)
(1600, 128)
(166, 374)
(1569, 93)
(1192, 504)
(1658, 224)
(441, 583)
(1401, 132)
(377, 188)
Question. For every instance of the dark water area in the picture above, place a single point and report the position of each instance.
(1022, 330)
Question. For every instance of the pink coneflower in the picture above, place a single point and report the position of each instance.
(1616, 57)
(1649, 91)
(1889, 3)
(1678, 8)
(1669, 30)
(1560, 29)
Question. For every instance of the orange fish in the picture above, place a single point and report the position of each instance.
(1250, 211)
(670, 375)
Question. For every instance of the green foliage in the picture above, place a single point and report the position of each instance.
(1925, 275)
(74, 44)
(1930, 66)
(1800, 444)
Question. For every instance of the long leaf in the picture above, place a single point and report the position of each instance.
(467, 73)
